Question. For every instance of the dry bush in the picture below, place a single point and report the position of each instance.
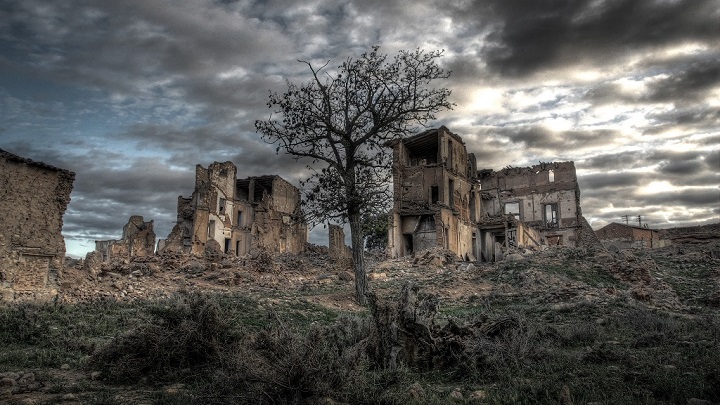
(184, 334)
(286, 365)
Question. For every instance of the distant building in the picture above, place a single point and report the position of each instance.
(530, 207)
(33, 200)
(442, 200)
(233, 215)
(624, 236)
(436, 201)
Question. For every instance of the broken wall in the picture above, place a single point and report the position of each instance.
(544, 196)
(138, 240)
(33, 200)
(436, 200)
(237, 215)
(622, 236)
(336, 243)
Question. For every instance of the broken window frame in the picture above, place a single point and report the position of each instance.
(507, 211)
(554, 220)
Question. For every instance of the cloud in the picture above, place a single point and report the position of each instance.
(531, 35)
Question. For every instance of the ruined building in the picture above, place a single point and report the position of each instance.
(624, 236)
(33, 199)
(233, 215)
(529, 207)
(436, 201)
(442, 200)
(138, 240)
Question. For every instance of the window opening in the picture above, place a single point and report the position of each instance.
(451, 193)
(551, 216)
(513, 208)
(221, 209)
(434, 194)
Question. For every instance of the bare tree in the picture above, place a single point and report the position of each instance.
(341, 120)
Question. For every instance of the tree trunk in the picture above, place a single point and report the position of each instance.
(358, 254)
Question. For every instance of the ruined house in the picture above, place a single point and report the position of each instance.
(442, 200)
(529, 207)
(232, 215)
(138, 240)
(625, 236)
(436, 195)
(33, 199)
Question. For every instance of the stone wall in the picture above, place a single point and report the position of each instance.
(237, 215)
(138, 240)
(33, 200)
(336, 243)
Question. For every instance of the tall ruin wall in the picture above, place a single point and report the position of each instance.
(33, 200)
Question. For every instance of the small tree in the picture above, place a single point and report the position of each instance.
(342, 120)
(375, 230)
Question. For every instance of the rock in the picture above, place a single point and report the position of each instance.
(95, 375)
(65, 367)
(137, 273)
(377, 276)
(345, 276)
(416, 391)
(11, 375)
(513, 257)
(696, 401)
(6, 382)
(470, 267)
(478, 396)
(565, 396)
(69, 397)
(456, 395)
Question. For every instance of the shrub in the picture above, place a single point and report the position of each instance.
(186, 333)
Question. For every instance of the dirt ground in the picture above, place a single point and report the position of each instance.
(560, 278)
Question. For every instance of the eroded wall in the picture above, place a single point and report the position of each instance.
(436, 200)
(138, 240)
(33, 200)
(234, 215)
(547, 197)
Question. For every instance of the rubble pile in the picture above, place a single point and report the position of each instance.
(407, 333)
(435, 257)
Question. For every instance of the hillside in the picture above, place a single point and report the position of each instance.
(568, 326)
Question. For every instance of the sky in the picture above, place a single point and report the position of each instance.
(131, 95)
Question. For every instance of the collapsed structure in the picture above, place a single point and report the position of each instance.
(138, 240)
(442, 200)
(33, 200)
(626, 236)
(231, 215)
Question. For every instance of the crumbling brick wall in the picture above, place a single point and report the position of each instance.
(237, 214)
(436, 200)
(33, 200)
(138, 240)
(336, 243)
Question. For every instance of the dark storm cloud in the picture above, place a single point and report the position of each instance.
(697, 118)
(542, 139)
(614, 161)
(532, 35)
(707, 197)
(689, 81)
(681, 168)
(601, 181)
